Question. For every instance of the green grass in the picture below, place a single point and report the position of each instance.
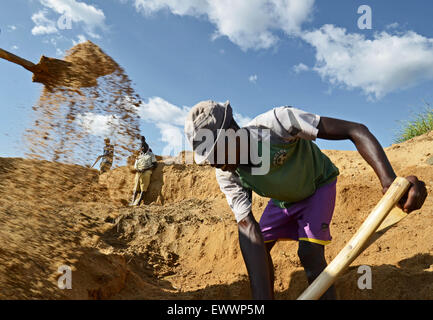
(421, 123)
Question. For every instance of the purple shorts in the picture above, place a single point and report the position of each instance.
(306, 220)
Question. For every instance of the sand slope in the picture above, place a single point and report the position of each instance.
(182, 244)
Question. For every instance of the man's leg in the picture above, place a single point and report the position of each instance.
(105, 167)
(137, 203)
(136, 188)
(134, 195)
(257, 259)
(275, 223)
(144, 185)
(312, 256)
(269, 246)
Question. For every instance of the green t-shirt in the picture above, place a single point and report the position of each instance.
(297, 167)
(296, 170)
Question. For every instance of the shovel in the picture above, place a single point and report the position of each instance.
(380, 218)
(15, 59)
(55, 72)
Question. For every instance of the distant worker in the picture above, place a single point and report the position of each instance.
(144, 164)
(107, 157)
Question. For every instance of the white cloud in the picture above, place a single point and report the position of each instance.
(12, 28)
(250, 24)
(392, 60)
(54, 40)
(173, 137)
(169, 119)
(103, 126)
(98, 124)
(14, 47)
(78, 12)
(81, 39)
(300, 68)
(392, 25)
(378, 66)
(160, 110)
(241, 120)
(253, 78)
(43, 25)
(94, 35)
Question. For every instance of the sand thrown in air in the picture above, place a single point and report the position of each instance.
(86, 97)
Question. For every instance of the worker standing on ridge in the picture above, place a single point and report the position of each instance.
(144, 164)
(297, 176)
(107, 157)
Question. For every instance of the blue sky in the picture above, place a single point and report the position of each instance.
(258, 54)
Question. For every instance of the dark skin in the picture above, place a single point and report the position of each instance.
(370, 149)
(257, 254)
(144, 149)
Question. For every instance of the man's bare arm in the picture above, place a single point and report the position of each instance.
(371, 150)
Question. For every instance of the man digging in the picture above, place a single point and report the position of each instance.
(144, 164)
(297, 176)
(107, 157)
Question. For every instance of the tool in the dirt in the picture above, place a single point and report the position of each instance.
(58, 73)
(394, 217)
(357, 243)
(97, 159)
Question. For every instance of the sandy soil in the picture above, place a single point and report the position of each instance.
(183, 243)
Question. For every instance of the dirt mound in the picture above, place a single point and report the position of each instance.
(169, 183)
(183, 243)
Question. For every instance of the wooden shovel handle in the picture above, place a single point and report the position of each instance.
(356, 244)
(15, 59)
